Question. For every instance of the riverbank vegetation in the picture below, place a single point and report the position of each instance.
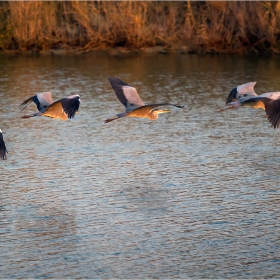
(186, 26)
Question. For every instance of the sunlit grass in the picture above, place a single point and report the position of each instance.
(196, 27)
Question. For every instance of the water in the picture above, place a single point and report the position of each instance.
(194, 194)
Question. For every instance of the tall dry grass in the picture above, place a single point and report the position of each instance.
(207, 27)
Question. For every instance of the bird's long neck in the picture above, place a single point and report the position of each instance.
(153, 115)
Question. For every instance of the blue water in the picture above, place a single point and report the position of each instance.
(194, 194)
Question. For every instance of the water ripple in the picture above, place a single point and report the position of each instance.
(193, 195)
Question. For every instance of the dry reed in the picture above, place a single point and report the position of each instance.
(200, 27)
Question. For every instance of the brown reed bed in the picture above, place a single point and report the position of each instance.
(189, 26)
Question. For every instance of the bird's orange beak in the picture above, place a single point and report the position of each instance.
(160, 111)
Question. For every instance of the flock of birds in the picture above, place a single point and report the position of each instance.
(244, 95)
(66, 108)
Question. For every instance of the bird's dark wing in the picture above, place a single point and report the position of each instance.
(71, 105)
(3, 150)
(27, 101)
(126, 94)
(241, 91)
(42, 101)
(272, 109)
(271, 103)
(232, 95)
(64, 108)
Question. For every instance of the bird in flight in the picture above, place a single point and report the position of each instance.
(134, 107)
(244, 95)
(3, 150)
(63, 109)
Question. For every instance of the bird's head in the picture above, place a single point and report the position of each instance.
(155, 112)
(241, 91)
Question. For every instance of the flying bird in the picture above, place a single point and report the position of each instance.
(244, 95)
(134, 107)
(241, 91)
(3, 150)
(63, 109)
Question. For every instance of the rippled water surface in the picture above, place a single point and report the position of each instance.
(194, 194)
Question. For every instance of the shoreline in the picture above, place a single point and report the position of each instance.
(123, 51)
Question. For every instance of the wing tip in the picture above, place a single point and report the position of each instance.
(3, 150)
(272, 109)
(71, 105)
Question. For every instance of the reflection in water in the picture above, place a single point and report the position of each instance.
(39, 237)
(193, 194)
